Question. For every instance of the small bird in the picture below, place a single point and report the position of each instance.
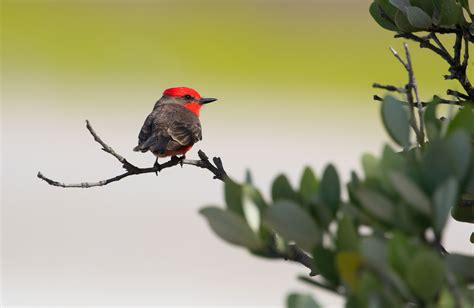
(173, 126)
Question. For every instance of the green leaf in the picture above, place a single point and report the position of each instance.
(425, 274)
(461, 265)
(464, 119)
(418, 18)
(383, 16)
(309, 184)
(231, 228)
(465, 4)
(426, 5)
(410, 192)
(293, 224)
(347, 237)
(371, 166)
(451, 12)
(348, 264)
(400, 4)
(233, 196)
(396, 121)
(400, 252)
(330, 190)
(376, 204)
(295, 300)
(460, 147)
(444, 199)
(432, 123)
(401, 20)
(282, 190)
(374, 251)
(325, 261)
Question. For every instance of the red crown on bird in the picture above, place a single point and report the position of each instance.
(182, 91)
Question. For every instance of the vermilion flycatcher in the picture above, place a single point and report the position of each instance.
(173, 126)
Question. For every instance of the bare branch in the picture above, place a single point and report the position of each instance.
(425, 43)
(424, 104)
(457, 94)
(217, 169)
(389, 87)
(413, 86)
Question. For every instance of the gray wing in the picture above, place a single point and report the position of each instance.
(145, 132)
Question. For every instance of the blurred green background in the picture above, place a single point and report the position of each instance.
(293, 80)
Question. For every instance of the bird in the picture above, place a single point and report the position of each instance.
(173, 126)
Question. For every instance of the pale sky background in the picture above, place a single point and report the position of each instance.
(294, 86)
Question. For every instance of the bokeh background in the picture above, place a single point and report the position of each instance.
(293, 80)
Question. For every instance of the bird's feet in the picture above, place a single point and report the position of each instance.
(157, 167)
(179, 159)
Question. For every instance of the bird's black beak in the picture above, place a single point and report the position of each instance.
(204, 100)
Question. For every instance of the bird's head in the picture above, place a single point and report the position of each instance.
(187, 97)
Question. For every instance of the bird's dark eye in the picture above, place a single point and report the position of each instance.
(188, 96)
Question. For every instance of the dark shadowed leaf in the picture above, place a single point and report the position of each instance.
(425, 274)
(410, 192)
(293, 224)
(282, 190)
(325, 261)
(233, 196)
(465, 4)
(395, 119)
(231, 227)
(309, 184)
(401, 20)
(432, 123)
(301, 301)
(418, 18)
(451, 12)
(444, 199)
(330, 190)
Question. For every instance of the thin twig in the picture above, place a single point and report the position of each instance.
(457, 94)
(388, 87)
(424, 104)
(217, 169)
(413, 86)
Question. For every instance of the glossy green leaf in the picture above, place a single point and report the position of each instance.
(233, 196)
(295, 300)
(444, 199)
(282, 190)
(325, 261)
(401, 20)
(384, 19)
(309, 184)
(418, 18)
(425, 274)
(376, 204)
(293, 224)
(231, 227)
(346, 237)
(426, 5)
(395, 119)
(410, 192)
(330, 189)
(400, 4)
